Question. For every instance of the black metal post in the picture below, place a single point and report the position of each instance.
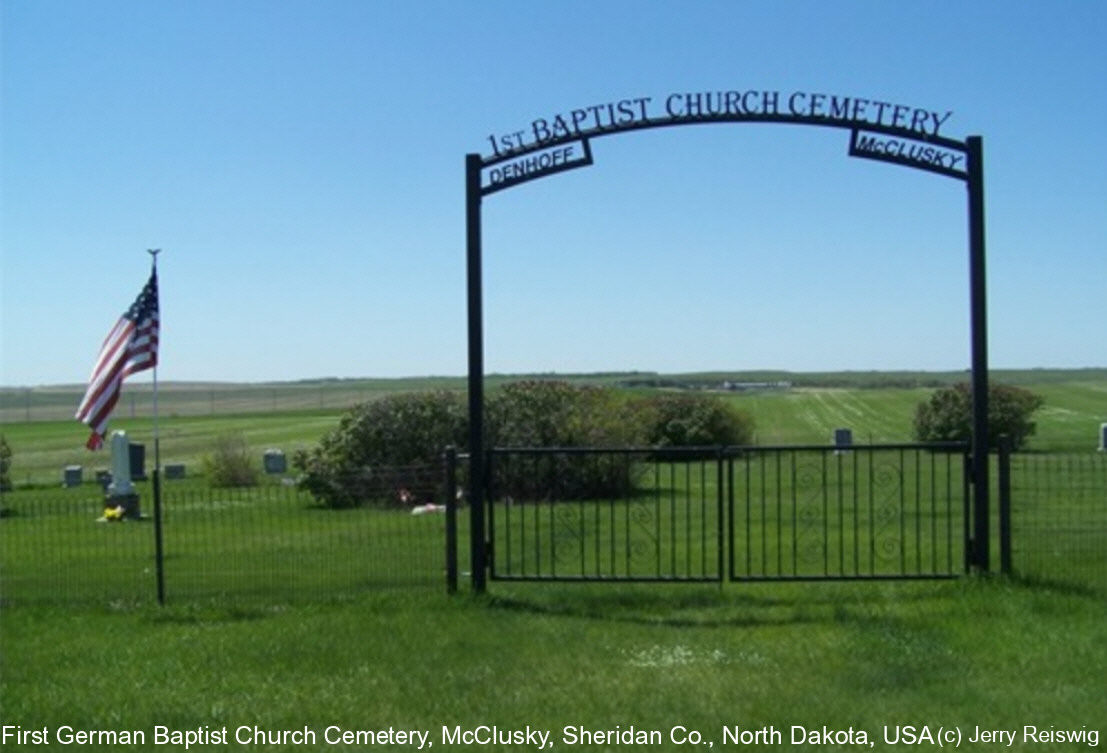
(451, 519)
(721, 457)
(476, 370)
(1004, 480)
(966, 485)
(979, 312)
(159, 550)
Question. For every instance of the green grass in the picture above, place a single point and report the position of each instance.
(283, 616)
(1069, 421)
(239, 545)
(40, 450)
(794, 513)
(964, 653)
(1059, 518)
(809, 416)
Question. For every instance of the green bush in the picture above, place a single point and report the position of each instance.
(947, 415)
(379, 451)
(540, 413)
(694, 420)
(229, 463)
(544, 414)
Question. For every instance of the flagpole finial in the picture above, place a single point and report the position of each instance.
(153, 255)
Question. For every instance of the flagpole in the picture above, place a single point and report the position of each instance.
(159, 553)
(157, 453)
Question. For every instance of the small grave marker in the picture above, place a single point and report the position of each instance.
(843, 439)
(274, 461)
(72, 475)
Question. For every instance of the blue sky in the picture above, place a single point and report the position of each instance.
(301, 165)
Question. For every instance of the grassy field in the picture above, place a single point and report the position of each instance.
(1068, 421)
(227, 544)
(1073, 411)
(941, 655)
(239, 659)
(792, 514)
(41, 449)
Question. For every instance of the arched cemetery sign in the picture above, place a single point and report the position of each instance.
(879, 129)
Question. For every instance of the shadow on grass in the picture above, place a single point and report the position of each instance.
(789, 604)
(1064, 588)
(213, 614)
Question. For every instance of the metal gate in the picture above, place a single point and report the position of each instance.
(863, 512)
(605, 514)
(747, 514)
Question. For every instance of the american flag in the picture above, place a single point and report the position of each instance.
(130, 347)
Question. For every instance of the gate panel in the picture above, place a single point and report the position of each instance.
(599, 515)
(867, 512)
(763, 513)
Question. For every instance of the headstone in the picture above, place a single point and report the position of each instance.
(175, 470)
(843, 439)
(138, 461)
(121, 492)
(274, 461)
(103, 478)
(120, 465)
(1103, 437)
(72, 475)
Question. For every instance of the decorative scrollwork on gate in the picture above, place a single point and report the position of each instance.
(886, 494)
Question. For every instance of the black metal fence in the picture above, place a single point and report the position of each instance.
(695, 514)
(275, 543)
(680, 515)
(867, 512)
(610, 514)
(1059, 519)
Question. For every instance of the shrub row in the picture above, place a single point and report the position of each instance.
(411, 429)
(373, 456)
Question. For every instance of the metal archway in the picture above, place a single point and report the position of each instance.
(879, 130)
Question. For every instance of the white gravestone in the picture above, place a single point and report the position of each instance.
(120, 465)
(121, 492)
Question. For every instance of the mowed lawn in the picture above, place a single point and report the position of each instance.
(41, 450)
(1068, 421)
(980, 651)
(951, 654)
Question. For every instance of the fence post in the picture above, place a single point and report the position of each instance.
(966, 495)
(159, 549)
(451, 519)
(721, 459)
(474, 294)
(974, 158)
(1005, 505)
